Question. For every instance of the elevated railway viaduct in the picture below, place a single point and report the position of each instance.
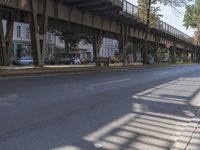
(117, 19)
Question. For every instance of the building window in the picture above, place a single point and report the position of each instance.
(109, 42)
(106, 41)
(27, 33)
(112, 42)
(116, 45)
(18, 31)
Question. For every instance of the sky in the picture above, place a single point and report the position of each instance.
(171, 17)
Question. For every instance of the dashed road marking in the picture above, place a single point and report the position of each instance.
(109, 82)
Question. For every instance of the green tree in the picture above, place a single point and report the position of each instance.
(148, 13)
(153, 16)
(175, 3)
(87, 38)
(192, 19)
(197, 37)
(72, 39)
(129, 48)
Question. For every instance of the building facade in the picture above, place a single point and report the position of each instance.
(21, 45)
(109, 48)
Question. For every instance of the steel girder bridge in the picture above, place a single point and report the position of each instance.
(117, 19)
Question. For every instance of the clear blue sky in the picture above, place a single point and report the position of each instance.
(171, 17)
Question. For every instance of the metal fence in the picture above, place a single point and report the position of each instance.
(160, 25)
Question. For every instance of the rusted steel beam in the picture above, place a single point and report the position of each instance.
(6, 39)
(39, 26)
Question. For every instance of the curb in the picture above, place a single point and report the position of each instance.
(4, 73)
(45, 70)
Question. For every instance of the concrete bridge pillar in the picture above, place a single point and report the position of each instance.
(2, 43)
(123, 40)
(185, 55)
(141, 49)
(172, 53)
(157, 43)
(197, 54)
(194, 55)
(6, 39)
(97, 42)
(38, 28)
(135, 48)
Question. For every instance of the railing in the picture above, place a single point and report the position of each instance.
(160, 25)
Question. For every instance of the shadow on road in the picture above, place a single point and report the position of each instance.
(150, 119)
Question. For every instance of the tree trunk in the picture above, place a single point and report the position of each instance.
(146, 34)
(97, 42)
(145, 49)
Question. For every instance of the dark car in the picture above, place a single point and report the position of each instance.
(65, 61)
(15, 61)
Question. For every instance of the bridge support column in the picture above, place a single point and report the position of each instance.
(157, 42)
(38, 27)
(135, 48)
(123, 40)
(194, 56)
(197, 55)
(6, 39)
(97, 42)
(185, 55)
(2, 43)
(172, 54)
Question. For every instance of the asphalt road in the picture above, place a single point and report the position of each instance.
(138, 109)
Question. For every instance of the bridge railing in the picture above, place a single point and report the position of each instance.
(160, 25)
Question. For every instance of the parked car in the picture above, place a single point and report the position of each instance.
(15, 61)
(50, 61)
(65, 61)
(76, 61)
(68, 61)
(25, 61)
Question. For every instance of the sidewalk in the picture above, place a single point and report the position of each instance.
(190, 137)
(195, 141)
(53, 69)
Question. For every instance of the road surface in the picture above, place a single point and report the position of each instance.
(137, 109)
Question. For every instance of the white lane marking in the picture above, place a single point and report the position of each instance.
(160, 73)
(109, 82)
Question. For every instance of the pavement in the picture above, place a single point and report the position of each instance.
(137, 109)
(195, 140)
(189, 139)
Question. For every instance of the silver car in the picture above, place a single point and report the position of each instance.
(25, 61)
